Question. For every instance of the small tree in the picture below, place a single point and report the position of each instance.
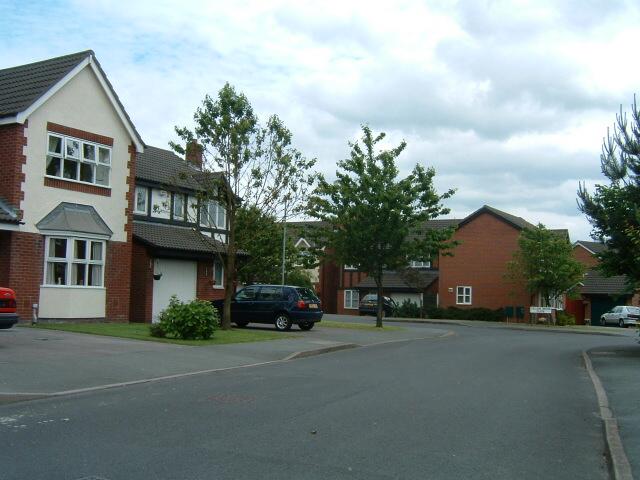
(544, 261)
(614, 209)
(375, 220)
(260, 167)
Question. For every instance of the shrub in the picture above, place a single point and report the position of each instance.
(408, 309)
(189, 321)
(156, 330)
(453, 313)
(563, 318)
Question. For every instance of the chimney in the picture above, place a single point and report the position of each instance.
(193, 154)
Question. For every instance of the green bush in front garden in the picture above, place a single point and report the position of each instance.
(188, 321)
(408, 309)
(563, 318)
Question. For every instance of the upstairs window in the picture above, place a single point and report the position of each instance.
(420, 264)
(142, 195)
(213, 215)
(178, 206)
(78, 160)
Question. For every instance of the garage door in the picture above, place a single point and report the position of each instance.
(178, 278)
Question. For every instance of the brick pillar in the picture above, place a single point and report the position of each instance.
(12, 142)
(26, 264)
(141, 303)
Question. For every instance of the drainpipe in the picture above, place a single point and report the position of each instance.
(34, 319)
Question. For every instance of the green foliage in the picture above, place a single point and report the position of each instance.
(563, 319)
(372, 218)
(453, 313)
(545, 262)
(300, 278)
(188, 321)
(156, 330)
(614, 209)
(408, 309)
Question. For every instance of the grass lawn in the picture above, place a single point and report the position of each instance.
(140, 331)
(358, 326)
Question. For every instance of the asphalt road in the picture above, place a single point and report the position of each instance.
(484, 403)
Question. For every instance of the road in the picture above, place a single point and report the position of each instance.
(482, 403)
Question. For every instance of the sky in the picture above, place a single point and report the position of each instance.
(509, 101)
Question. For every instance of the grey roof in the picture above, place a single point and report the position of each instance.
(164, 167)
(72, 217)
(593, 247)
(298, 230)
(173, 237)
(23, 85)
(440, 223)
(517, 222)
(8, 213)
(411, 280)
(596, 283)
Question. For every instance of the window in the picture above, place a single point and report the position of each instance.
(248, 293)
(77, 262)
(463, 296)
(218, 274)
(178, 206)
(142, 194)
(212, 214)
(350, 267)
(270, 294)
(420, 264)
(351, 298)
(78, 160)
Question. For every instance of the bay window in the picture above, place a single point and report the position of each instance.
(78, 160)
(76, 262)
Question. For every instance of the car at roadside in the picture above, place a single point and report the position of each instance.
(8, 315)
(369, 305)
(282, 306)
(622, 315)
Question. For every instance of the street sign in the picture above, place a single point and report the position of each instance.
(540, 309)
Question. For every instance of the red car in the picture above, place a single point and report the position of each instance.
(8, 316)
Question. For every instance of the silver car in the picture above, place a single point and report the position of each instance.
(622, 315)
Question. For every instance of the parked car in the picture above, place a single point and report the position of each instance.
(622, 315)
(279, 305)
(369, 305)
(8, 316)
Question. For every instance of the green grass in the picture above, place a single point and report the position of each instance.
(358, 326)
(140, 331)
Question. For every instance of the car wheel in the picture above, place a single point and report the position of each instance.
(282, 322)
(603, 322)
(241, 324)
(306, 325)
(621, 323)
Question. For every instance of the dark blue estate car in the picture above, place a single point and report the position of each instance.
(280, 305)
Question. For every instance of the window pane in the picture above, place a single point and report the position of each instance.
(71, 169)
(56, 273)
(204, 215)
(102, 175)
(78, 273)
(89, 152)
(57, 248)
(217, 272)
(178, 205)
(55, 144)
(104, 155)
(141, 199)
(86, 172)
(220, 222)
(80, 249)
(96, 251)
(73, 148)
(95, 275)
(53, 166)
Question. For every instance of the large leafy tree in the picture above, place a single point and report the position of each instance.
(545, 262)
(614, 208)
(260, 167)
(374, 219)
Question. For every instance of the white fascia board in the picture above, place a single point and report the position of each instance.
(300, 241)
(583, 246)
(123, 118)
(64, 233)
(8, 120)
(14, 227)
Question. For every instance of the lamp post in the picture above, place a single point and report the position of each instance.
(284, 240)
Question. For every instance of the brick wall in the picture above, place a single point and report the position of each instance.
(141, 302)
(204, 284)
(12, 141)
(585, 257)
(5, 245)
(480, 261)
(26, 257)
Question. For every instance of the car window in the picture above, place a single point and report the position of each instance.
(306, 294)
(616, 310)
(248, 293)
(634, 310)
(270, 294)
(370, 298)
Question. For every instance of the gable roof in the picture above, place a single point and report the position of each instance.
(592, 247)
(516, 222)
(24, 88)
(596, 283)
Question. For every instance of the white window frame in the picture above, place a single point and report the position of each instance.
(180, 217)
(95, 162)
(349, 304)
(420, 264)
(464, 291)
(218, 264)
(69, 261)
(144, 190)
(350, 267)
(209, 219)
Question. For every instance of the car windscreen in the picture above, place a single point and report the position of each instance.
(307, 294)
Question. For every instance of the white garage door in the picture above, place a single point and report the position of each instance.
(179, 278)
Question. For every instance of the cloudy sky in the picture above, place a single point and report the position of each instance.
(509, 101)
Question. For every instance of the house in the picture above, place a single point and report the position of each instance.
(68, 152)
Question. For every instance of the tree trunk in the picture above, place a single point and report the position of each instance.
(229, 271)
(378, 281)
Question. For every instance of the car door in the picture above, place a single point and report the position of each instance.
(243, 305)
(612, 315)
(268, 300)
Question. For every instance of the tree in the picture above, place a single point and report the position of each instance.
(260, 167)
(544, 260)
(375, 220)
(614, 209)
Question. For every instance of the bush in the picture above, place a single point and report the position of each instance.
(453, 313)
(408, 309)
(563, 318)
(189, 321)
(156, 330)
